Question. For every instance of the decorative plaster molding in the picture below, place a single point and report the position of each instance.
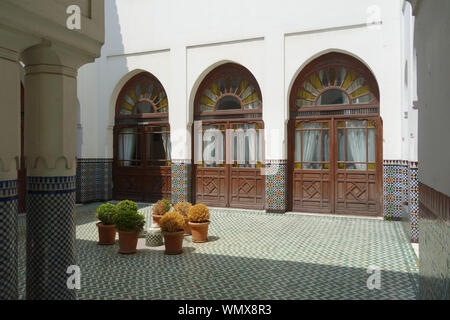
(8, 54)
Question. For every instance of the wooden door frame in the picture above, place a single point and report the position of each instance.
(228, 167)
(333, 155)
(141, 129)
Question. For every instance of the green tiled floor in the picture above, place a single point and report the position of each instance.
(251, 255)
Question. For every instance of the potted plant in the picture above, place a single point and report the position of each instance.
(106, 228)
(159, 209)
(183, 208)
(172, 227)
(199, 221)
(130, 223)
(127, 204)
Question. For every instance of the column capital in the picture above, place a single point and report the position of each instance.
(51, 113)
(54, 58)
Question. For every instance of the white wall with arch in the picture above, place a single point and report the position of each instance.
(274, 42)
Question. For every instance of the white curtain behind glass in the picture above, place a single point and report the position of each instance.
(311, 145)
(167, 143)
(127, 143)
(213, 144)
(356, 144)
(246, 145)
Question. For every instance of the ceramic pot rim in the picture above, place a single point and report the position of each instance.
(199, 223)
(100, 224)
(172, 233)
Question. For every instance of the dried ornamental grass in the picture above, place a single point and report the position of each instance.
(199, 213)
(172, 222)
(161, 207)
(183, 208)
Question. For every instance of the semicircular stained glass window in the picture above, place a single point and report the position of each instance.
(143, 94)
(332, 86)
(225, 92)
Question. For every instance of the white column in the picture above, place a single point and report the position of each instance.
(9, 164)
(50, 151)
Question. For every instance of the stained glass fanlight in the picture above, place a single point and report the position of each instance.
(336, 85)
(143, 94)
(233, 90)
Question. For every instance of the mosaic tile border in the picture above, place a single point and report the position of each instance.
(50, 231)
(9, 263)
(276, 186)
(400, 194)
(181, 181)
(94, 180)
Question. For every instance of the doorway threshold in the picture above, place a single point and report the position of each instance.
(334, 215)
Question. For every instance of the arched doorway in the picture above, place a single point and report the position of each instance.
(142, 149)
(228, 116)
(335, 138)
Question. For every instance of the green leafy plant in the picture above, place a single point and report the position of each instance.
(129, 220)
(388, 217)
(161, 207)
(168, 204)
(183, 208)
(106, 212)
(172, 222)
(127, 204)
(199, 213)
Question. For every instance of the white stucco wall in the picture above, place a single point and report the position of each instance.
(180, 41)
(432, 27)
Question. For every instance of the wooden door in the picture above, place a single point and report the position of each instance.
(247, 184)
(337, 166)
(224, 179)
(157, 166)
(312, 174)
(357, 166)
(142, 168)
(211, 172)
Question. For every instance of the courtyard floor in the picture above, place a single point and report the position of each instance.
(250, 255)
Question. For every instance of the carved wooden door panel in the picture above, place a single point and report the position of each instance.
(157, 165)
(312, 174)
(237, 181)
(128, 163)
(142, 168)
(357, 168)
(211, 172)
(247, 184)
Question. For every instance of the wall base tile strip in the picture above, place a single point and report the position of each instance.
(276, 186)
(400, 194)
(50, 237)
(8, 240)
(94, 180)
(181, 181)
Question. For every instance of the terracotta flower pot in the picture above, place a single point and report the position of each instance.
(128, 242)
(187, 227)
(156, 219)
(106, 234)
(173, 242)
(199, 231)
